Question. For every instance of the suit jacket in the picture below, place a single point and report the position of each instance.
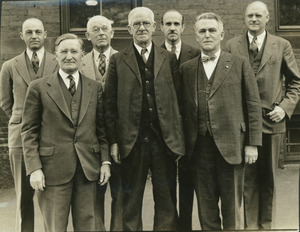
(233, 104)
(14, 81)
(187, 52)
(277, 60)
(123, 100)
(51, 141)
(88, 66)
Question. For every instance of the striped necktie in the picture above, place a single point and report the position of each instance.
(35, 62)
(72, 87)
(102, 63)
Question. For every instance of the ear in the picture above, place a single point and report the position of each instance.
(112, 34)
(162, 27)
(129, 29)
(21, 35)
(267, 17)
(183, 27)
(87, 35)
(222, 35)
(154, 26)
(45, 34)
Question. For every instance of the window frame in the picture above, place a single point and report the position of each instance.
(280, 27)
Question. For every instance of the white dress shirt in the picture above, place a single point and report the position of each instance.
(260, 39)
(139, 48)
(178, 48)
(107, 56)
(210, 65)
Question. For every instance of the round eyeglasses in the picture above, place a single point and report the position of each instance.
(137, 25)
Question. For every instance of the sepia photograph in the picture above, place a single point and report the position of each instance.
(149, 115)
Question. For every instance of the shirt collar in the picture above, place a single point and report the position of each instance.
(260, 38)
(106, 53)
(64, 75)
(217, 54)
(139, 48)
(40, 53)
(169, 46)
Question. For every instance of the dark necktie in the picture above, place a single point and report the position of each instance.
(35, 62)
(208, 58)
(72, 87)
(102, 63)
(253, 46)
(173, 48)
(143, 54)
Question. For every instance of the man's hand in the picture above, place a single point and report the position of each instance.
(251, 154)
(37, 180)
(104, 174)
(115, 154)
(277, 114)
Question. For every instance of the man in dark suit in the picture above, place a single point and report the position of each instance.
(172, 25)
(64, 141)
(15, 76)
(94, 66)
(222, 123)
(143, 122)
(271, 57)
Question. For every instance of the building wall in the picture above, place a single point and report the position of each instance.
(15, 12)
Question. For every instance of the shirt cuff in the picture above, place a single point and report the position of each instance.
(106, 162)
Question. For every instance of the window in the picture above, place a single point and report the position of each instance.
(76, 13)
(288, 15)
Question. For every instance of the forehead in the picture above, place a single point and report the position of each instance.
(141, 16)
(206, 24)
(172, 16)
(33, 25)
(99, 23)
(69, 44)
(256, 9)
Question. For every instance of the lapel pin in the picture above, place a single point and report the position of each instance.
(227, 66)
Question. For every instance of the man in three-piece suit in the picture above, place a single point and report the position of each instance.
(144, 123)
(16, 74)
(271, 57)
(172, 25)
(222, 123)
(64, 141)
(94, 66)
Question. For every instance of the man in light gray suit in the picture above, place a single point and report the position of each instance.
(16, 74)
(94, 66)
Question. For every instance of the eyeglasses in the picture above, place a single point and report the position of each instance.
(97, 29)
(137, 25)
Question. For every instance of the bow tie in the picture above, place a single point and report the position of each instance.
(208, 58)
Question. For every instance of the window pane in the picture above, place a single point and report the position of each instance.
(117, 10)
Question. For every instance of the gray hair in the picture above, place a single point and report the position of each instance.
(210, 15)
(140, 10)
(98, 18)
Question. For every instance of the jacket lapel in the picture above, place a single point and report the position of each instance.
(55, 92)
(243, 46)
(50, 64)
(131, 61)
(22, 69)
(193, 73)
(88, 66)
(222, 69)
(159, 58)
(269, 46)
(85, 97)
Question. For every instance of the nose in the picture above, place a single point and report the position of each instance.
(33, 34)
(172, 27)
(69, 56)
(207, 33)
(142, 27)
(253, 18)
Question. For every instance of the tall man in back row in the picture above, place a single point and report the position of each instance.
(94, 65)
(144, 123)
(271, 57)
(172, 25)
(16, 74)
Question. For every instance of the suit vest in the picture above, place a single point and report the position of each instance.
(255, 61)
(203, 91)
(73, 102)
(149, 117)
(40, 72)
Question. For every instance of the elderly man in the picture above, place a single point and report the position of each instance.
(172, 25)
(94, 66)
(15, 76)
(143, 122)
(271, 57)
(64, 141)
(222, 123)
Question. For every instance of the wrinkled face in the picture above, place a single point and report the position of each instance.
(100, 34)
(141, 28)
(209, 35)
(33, 34)
(172, 26)
(69, 55)
(256, 18)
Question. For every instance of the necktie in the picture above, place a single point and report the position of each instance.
(35, 62)
(253, 46)
(143, 54)
(72, 87)
(208, 58)
(173, 48)
(102, 63)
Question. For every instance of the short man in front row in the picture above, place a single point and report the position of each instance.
(172, 25)
(15, 76)
(143, 121)
(222, 123)
(271, 57)
(64, 141)
(94, 66)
